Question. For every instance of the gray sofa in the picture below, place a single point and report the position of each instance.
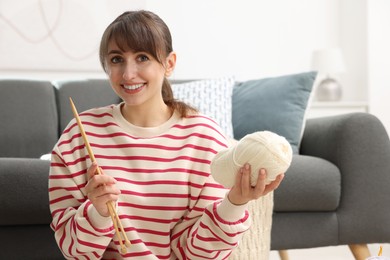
(336, 192)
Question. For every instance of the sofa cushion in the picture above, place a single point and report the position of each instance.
(85, 94)
(310, 184)
(32, 242)
(275, 104)
(24, 195)
(28, 116)
(212, 97)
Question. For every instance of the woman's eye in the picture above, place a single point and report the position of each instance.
(116, 59)
(142, 58)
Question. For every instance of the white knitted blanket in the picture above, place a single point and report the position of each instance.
(256, 242)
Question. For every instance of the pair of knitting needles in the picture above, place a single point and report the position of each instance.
(110, 205)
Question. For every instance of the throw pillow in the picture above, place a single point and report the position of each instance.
(276, 104)
(212, 97)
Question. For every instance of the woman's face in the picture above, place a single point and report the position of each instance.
(137, 77)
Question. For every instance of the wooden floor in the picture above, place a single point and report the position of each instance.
(330, 253)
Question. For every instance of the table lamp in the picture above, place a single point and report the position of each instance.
(328, 62)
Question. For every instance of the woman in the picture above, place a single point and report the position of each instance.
(155, 154)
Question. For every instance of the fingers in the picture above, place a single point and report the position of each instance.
(92, 170)
(238, 178)
(100, 189)
(101, 196)
(261, 188)
(274, 184)
(246, 179)
(101, 184)
(96, 181)
(238, 194)
(260, 185)
(100, 192)
(242, 191)
(104, 192)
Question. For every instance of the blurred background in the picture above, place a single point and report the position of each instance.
(249, 39)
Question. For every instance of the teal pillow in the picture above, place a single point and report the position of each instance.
(276, 104)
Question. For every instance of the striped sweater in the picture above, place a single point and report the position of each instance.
(170, 206)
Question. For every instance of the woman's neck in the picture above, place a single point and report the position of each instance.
(146, 117)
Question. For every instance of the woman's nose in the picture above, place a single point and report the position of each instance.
(130, 71)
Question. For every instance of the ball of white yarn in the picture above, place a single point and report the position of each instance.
(262, 150)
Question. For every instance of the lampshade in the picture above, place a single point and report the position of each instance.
(328, 61)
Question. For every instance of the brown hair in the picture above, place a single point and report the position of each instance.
(143, 31)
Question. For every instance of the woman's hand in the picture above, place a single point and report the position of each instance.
(242, 192)
(101, 189)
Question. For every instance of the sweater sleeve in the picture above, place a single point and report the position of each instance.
(212, 228)
(79, 229)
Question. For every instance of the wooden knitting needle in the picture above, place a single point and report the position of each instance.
(111, 207)
(380, 251)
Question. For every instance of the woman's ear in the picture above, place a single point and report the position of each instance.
(170, 64)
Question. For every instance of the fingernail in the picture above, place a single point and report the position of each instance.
(247, 166)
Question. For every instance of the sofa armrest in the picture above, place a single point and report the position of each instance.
(359, 146)
(24, 197)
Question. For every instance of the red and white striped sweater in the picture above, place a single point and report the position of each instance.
(170, 206)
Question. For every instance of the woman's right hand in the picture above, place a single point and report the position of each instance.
(101, 189)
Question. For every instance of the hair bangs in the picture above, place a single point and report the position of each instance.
(136, 37)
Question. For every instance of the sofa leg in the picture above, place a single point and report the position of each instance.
(283, 254)
(360, 251)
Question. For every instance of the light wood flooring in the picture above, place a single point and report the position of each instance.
(330, 253)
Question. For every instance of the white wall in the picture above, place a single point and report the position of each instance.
(55, 39)
(379, 59)
(353, 41)
(248, 39)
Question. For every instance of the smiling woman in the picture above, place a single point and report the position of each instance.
(154, 153)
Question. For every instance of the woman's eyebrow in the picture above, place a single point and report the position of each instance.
(114, 52)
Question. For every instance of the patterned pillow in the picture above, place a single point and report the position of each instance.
(212, 97)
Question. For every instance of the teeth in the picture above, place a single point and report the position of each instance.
(133, 87)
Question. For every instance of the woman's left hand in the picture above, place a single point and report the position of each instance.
(242, 192)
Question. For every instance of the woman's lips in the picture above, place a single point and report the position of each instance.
(134, 88)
